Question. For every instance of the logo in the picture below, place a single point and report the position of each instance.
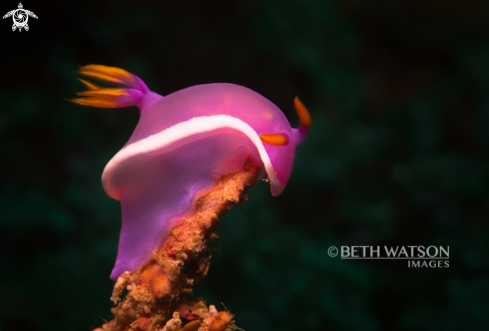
(20, 17)
(332, 251)
(416, 256)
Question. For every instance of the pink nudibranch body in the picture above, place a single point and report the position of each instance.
(181, 145)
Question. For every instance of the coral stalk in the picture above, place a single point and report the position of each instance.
(159, 294)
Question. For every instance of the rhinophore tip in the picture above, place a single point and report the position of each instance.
(305, 122)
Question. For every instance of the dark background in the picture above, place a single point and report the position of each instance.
(398, 155)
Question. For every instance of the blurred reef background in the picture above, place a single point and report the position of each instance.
(398, 155)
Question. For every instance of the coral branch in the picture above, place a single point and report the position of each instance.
(159, 293)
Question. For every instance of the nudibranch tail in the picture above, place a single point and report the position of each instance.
(130, 92)
(305, 122)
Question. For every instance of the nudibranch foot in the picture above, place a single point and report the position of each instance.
(184, 257)
(164, 188)
(183, 143)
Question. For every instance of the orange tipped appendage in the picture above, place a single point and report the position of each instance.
(303, 114)
(274, 139)
(109, 75)
(103, 97)
(129, 94)
(98, 103)
(302, 132)
(89, 85)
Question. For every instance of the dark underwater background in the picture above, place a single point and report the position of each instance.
(398, 154)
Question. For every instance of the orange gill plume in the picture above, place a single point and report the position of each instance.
(128, 93)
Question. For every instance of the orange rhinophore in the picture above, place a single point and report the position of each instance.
(303, 114)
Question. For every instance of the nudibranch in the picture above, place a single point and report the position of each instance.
(181, 145)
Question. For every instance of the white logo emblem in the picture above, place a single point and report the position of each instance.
(20, 17)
